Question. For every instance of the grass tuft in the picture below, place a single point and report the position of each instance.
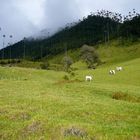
(73, 131)
(34, 128)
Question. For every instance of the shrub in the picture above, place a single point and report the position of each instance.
(67, 62)
(13, 61)
(44, 65)
(66, 77)
(72, 73)
(90, 56)
(125, 97)
(119, 96)
(18, 60)
(2, 62)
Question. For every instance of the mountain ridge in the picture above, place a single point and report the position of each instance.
(94, 29)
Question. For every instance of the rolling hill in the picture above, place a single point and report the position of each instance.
(39, 104)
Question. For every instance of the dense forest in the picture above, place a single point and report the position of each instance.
(95, 28)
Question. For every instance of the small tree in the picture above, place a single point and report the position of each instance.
(90, 56)
(67, 62)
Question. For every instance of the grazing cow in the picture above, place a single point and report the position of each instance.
(88, 78)
(119, 68)
(112, 72)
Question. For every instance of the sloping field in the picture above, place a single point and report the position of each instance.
(42, 105)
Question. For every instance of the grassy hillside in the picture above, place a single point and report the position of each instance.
(110, 53)
(90, 30)
(41, 105)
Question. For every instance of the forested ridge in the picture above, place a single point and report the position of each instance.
(99, 27)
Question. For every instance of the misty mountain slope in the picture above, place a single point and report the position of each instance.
(91, 30)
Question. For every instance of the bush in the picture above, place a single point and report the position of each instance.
(119, 96)
(13, 61)
(125, 97)
(67, 62)
(90, 56)
(44, 65)
(66, 77)
(2, 62)
(18, 60)
(72, 73)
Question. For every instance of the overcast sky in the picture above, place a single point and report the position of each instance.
(23, 18)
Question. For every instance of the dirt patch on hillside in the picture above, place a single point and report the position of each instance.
(74, 131)
(36, 127)
(20, 116)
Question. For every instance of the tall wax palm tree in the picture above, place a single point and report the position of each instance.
(10, 46)
(24, 53)
(3, 46)
(0, 38)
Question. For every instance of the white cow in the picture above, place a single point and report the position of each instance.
(88, 78)
(112, 72)
(119, 68)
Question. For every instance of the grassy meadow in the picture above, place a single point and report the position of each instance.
(42, 105)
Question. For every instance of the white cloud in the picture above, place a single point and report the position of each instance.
(60, 12)
(32, 9)
(120, 6)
